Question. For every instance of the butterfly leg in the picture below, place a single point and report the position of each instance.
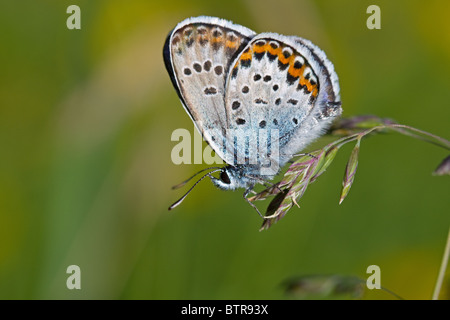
(267, 184)
(247, 191)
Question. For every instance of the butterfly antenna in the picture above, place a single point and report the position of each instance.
(185, 195)
(187, 180)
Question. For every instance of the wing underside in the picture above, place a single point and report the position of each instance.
(198, 54)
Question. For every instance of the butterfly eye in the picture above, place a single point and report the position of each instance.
(224, 177)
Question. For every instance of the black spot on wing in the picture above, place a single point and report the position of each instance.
(234, 73)
(197, 67)
(271, 57)
(297, 64)
(256, 77)
(210, 91)
(259, 55)
(260, 101)
(187, 71)
(207, 65)
(190, 42)
(282, 66)
(218, 70)
(291, 79)
(246, 63)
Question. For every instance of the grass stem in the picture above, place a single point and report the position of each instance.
(440, 279)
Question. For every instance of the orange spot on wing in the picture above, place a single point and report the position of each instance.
(296, 72)
(231, 44)
(217, 39)
(246, 56)
(275, 52)
(306, 83)
(260, 49)
(282, 59)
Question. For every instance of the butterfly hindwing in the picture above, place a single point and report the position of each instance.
(282, 83)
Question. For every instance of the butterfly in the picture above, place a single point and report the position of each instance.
(257, 99)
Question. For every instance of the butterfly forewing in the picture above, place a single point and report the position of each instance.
(198, 54)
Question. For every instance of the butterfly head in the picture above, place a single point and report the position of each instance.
(234, 177)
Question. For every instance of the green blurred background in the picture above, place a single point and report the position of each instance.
(86, 174)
